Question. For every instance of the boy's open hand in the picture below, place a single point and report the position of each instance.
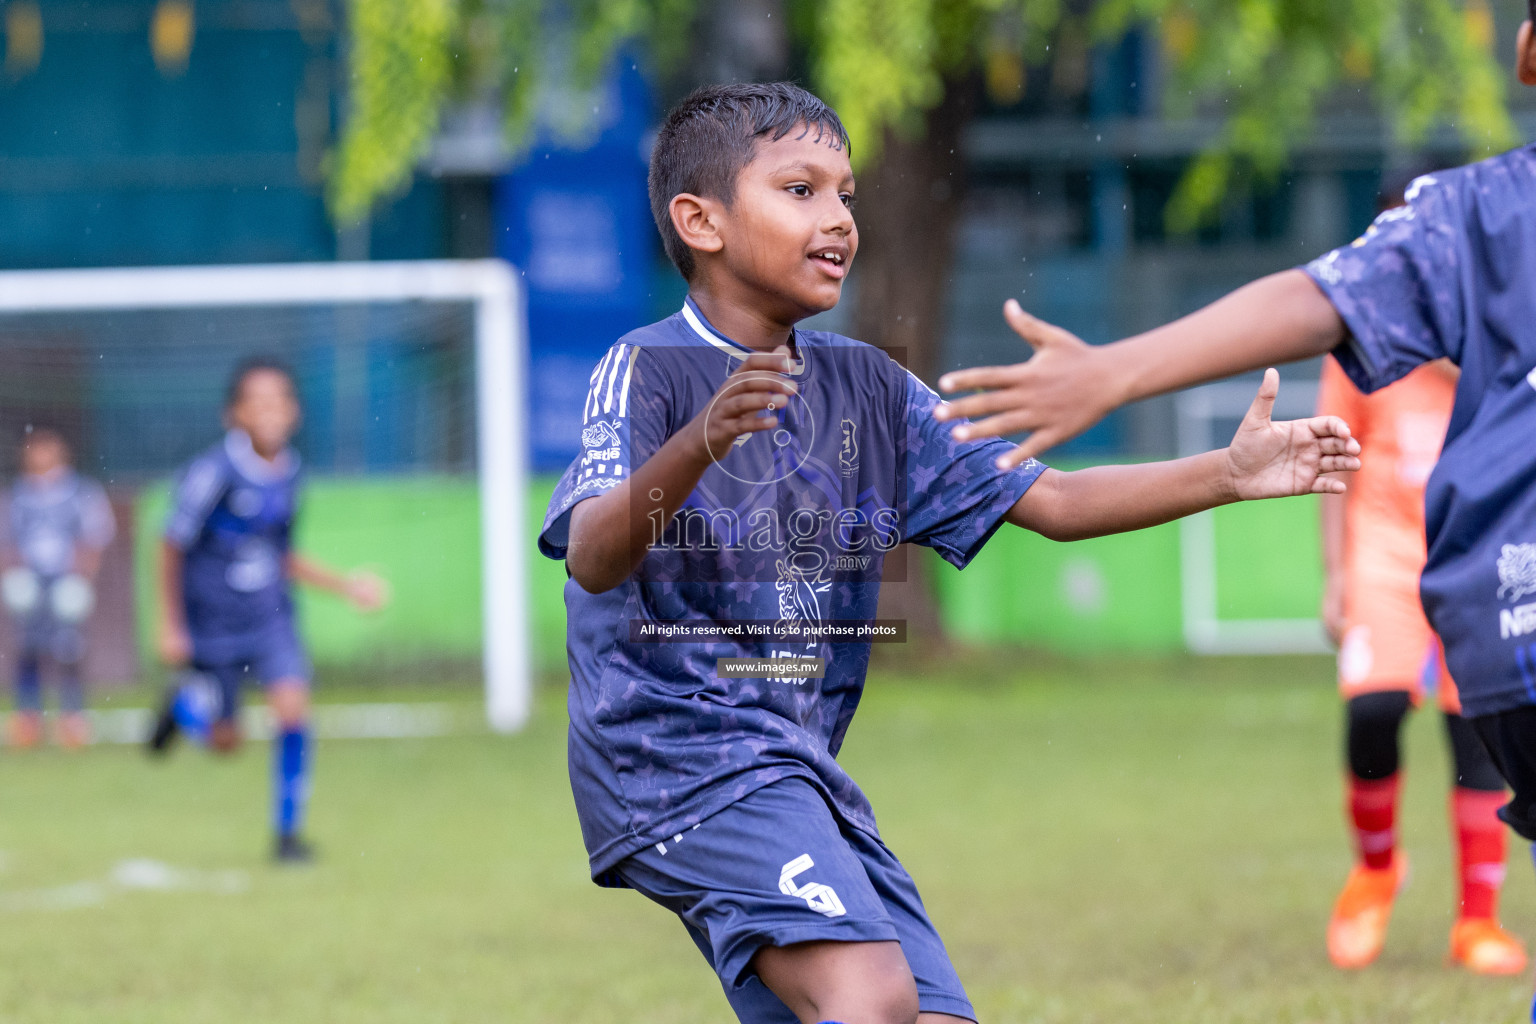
(1274, 460)
(1056, 394)
(757, 386)
(174, 644)
(368, 592)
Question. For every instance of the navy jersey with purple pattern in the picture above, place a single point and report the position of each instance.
(1452, 274)
(232, 516)
(791, 527)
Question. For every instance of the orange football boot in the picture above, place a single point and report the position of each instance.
(26, 729)
(73, 731)
(1358, 928)
(1482, 947)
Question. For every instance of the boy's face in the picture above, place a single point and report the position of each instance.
(788, 235)
(266, 409)
(43, 454)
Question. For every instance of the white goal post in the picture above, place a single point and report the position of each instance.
(1205, 632)
(500, 374)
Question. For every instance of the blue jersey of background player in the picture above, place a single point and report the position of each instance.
(56, 529)
(737, 473)
(1450, 274)
(225, 585)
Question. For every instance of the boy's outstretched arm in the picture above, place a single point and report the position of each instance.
(1265, 460)
(174, 642)
(364, 590)
(611, 533)
(1068, 385)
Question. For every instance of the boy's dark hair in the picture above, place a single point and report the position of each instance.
(709, 137)
(246, 368)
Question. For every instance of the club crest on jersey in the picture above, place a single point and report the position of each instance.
(848, 451)
(1517, 571)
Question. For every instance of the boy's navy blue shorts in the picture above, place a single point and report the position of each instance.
(269, 654)
(777, 868)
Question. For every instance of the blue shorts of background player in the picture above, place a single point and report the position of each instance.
(269, 656)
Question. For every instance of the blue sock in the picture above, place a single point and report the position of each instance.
(290, 779)
(194, 707)
(29, 684)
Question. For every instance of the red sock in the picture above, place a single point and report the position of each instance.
(1373, 812)
(1480, 849)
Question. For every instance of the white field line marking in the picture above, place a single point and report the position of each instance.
(330, 721)
(138, 874)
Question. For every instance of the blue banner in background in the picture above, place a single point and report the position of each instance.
(577, 222)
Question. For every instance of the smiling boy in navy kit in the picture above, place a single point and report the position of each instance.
(738, 469)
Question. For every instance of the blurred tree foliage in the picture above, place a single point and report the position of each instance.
(886, 65)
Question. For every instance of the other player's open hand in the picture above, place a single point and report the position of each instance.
(747, 402)
(1273, 460)
(1056, 394)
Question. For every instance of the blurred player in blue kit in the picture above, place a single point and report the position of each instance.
(57, 527)
(735, 468)
(226, 599)
(1451, 274)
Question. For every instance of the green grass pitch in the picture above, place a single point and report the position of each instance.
(1104, 841)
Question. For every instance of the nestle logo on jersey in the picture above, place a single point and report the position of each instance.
(1517, 621)
(603, 433)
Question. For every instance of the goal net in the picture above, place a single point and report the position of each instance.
(1250, 577)
(411, 377)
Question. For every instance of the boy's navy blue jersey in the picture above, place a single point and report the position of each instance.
(1453, 274)
(789, 529)
(232, 518)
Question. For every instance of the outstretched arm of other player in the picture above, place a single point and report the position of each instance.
(1067, 385)
(611, 533)
(365, 590)
(1265, 460)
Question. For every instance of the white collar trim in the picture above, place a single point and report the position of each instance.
(703, 330)
(237, 443)
(731, 348)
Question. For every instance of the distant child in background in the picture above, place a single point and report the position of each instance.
(1373, 547)
(225, 596)
(59, 524)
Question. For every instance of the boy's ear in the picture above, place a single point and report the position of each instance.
(1525, 54)
(697, 221)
